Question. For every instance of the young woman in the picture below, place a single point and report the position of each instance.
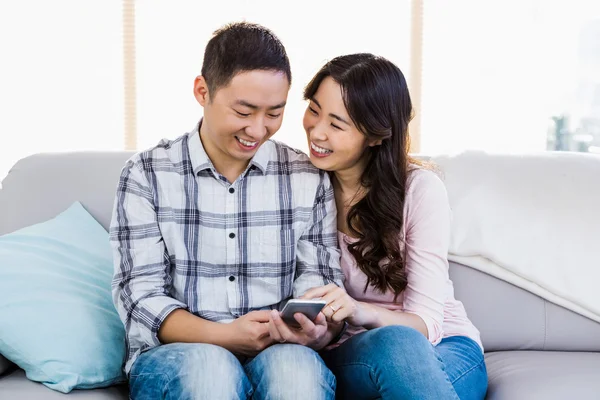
(407, 336)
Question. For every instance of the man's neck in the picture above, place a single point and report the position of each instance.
(229, 169)
(226, 166)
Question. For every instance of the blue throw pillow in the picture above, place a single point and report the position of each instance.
(57, 319)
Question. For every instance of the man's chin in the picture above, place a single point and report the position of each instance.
(243, 156)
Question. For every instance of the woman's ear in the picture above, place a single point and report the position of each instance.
(376, 143)
(201, 90)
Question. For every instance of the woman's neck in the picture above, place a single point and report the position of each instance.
(347, 183)
(348, 191)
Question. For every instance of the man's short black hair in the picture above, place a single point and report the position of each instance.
(240, 47)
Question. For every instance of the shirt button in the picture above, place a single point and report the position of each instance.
(231, 190)
(231, 235)
(231, 278)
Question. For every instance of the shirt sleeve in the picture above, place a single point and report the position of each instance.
(427, 240)
(141, 281)
(318, 256)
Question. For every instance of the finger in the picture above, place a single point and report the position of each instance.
(308, 327)
(315, 292)
(264, 330)
(334, 303)
(344, 308)
(318, 291)
(274, 332)
(259, 316)
(341, 315)
(285, 331)
(329, 309)
(320, 320)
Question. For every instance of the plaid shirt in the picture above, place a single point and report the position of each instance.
(183, 237)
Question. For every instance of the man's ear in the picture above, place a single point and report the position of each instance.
(201, 90)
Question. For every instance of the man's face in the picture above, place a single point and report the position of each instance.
(241, 116)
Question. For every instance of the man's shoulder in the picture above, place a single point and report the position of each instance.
(294, 165)
(169, 151)
(298, 160)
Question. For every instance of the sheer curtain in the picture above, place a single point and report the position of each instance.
(60, 77)
(171, 38)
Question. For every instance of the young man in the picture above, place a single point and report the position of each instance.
(214, 230)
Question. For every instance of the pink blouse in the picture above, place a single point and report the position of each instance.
(430, 292)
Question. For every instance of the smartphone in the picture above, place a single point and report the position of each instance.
(310, 308)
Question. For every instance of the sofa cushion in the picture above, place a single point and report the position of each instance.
(17, 386)
(529, 375)
(58, 320)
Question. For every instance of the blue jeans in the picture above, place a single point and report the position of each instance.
(397, 362)
(204, 371)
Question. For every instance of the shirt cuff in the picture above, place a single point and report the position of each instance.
(434, 331)
(164, 305)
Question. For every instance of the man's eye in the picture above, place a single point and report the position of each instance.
(274, 115)
(312, 110)
(242, 114)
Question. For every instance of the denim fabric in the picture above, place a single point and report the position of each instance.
(397, 362)
(185, 371)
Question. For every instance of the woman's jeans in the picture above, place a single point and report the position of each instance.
(185, 371)
(397, 362)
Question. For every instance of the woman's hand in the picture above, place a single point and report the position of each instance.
(341, 306)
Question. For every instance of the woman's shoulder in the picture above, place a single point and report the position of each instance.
(422, 179)
(426, 198)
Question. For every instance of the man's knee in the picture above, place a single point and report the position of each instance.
(289, 371)
(190, 371)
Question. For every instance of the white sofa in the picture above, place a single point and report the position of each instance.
(534, 348)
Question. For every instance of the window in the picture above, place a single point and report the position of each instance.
(503, 76)
(61, 78)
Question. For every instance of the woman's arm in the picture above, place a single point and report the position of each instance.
(428, 220)
(379, 316)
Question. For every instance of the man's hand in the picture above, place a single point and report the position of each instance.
(312, 334)
(250, 334)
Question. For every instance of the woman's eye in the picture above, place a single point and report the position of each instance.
(312, 110)
(336, 127)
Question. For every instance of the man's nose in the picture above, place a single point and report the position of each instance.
(257, 129)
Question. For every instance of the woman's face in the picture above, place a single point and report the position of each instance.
(335, 142)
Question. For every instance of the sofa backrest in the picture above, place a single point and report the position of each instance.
(41, 186)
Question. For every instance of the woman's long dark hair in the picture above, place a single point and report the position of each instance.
(376, 96)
